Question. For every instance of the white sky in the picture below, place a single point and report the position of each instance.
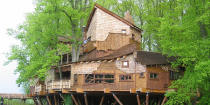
(12, 13)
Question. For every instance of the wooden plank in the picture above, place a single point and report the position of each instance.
(102, 100)
(65, 91)
(86, 101)
(147, 98)
(55, 100)
(79, 90)
(52, 91)
(138, 99)
(164, 100)
(48, 100)
(133, 90)
(107, 90)
(116, 98)
(75, 101)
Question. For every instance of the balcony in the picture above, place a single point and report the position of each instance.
(40, 89)
(58, 85)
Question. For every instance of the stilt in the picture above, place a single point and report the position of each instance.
(115, 103)
(34, 101)
(117, 99)
(39, 101)
(147, 98)
(55, 99)
(86, 101)
(138, 99)
(159, 101)
(61, 96)
(102, 100)
(48, 100)
(75, 101)
(164, 100)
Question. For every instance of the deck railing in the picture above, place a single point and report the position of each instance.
(58, 84)
(39, 88)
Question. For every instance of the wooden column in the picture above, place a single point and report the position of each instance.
(102, 100)
(55, 100)
(147, 98)
(48, 100)
(86, 101)
(138, 99)
(164, 100)
(75, 101)
(39, 101)
(115, 97)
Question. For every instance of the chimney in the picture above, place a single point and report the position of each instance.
(128, 17)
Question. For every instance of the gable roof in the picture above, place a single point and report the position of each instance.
(110, 13)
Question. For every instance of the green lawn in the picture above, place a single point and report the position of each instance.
(18, 102)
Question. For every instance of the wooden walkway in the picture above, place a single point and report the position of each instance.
(14, 96)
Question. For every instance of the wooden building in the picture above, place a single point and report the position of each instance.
(111, 64)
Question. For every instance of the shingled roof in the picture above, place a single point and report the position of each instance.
(153, 58)
(112, 14)
(125, 50)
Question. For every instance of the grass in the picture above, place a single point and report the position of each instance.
(18, 102)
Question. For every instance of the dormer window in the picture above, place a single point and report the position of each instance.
(123, 31)
(125, 64)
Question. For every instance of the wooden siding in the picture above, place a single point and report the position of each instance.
(162, 82)
(134, 67)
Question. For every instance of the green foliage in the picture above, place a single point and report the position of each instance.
(67, 99)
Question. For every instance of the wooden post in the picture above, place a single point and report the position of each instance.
(164, 100)
(75, 101)
(159, 101)
(102, 100)
(117, 99)
(86, 101)
(138, 99)
(55, 99)
(48, 100)
(147, 98)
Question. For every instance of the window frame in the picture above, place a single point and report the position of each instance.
(125, 80)
(103, 79)
(123, 66)
(154, 77)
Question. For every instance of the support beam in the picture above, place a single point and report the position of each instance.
(164, 100)
(147, 98)
(115, 97)
(48, 100)
(102, 100)
(138, 99)
(75, 101)
(61, 96)
(55, 100)
(86, 101)
(39, 101)
(36, 103)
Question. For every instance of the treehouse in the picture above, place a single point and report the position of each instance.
(112, 61)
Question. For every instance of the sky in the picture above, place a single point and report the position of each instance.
(12, 14)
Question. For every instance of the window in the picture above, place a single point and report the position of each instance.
(133, 36)
(125, 64)
(141, 75)
(99, 78)
(75, 78)
(123, 31)
(153, 76)
(174, 75)
(87, 40)
(125, 77)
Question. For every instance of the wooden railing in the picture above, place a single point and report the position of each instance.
(58, 85)
(14, 96)
(39, 88)
(122, 86)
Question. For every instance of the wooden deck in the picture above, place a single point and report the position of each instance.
(14, 96)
